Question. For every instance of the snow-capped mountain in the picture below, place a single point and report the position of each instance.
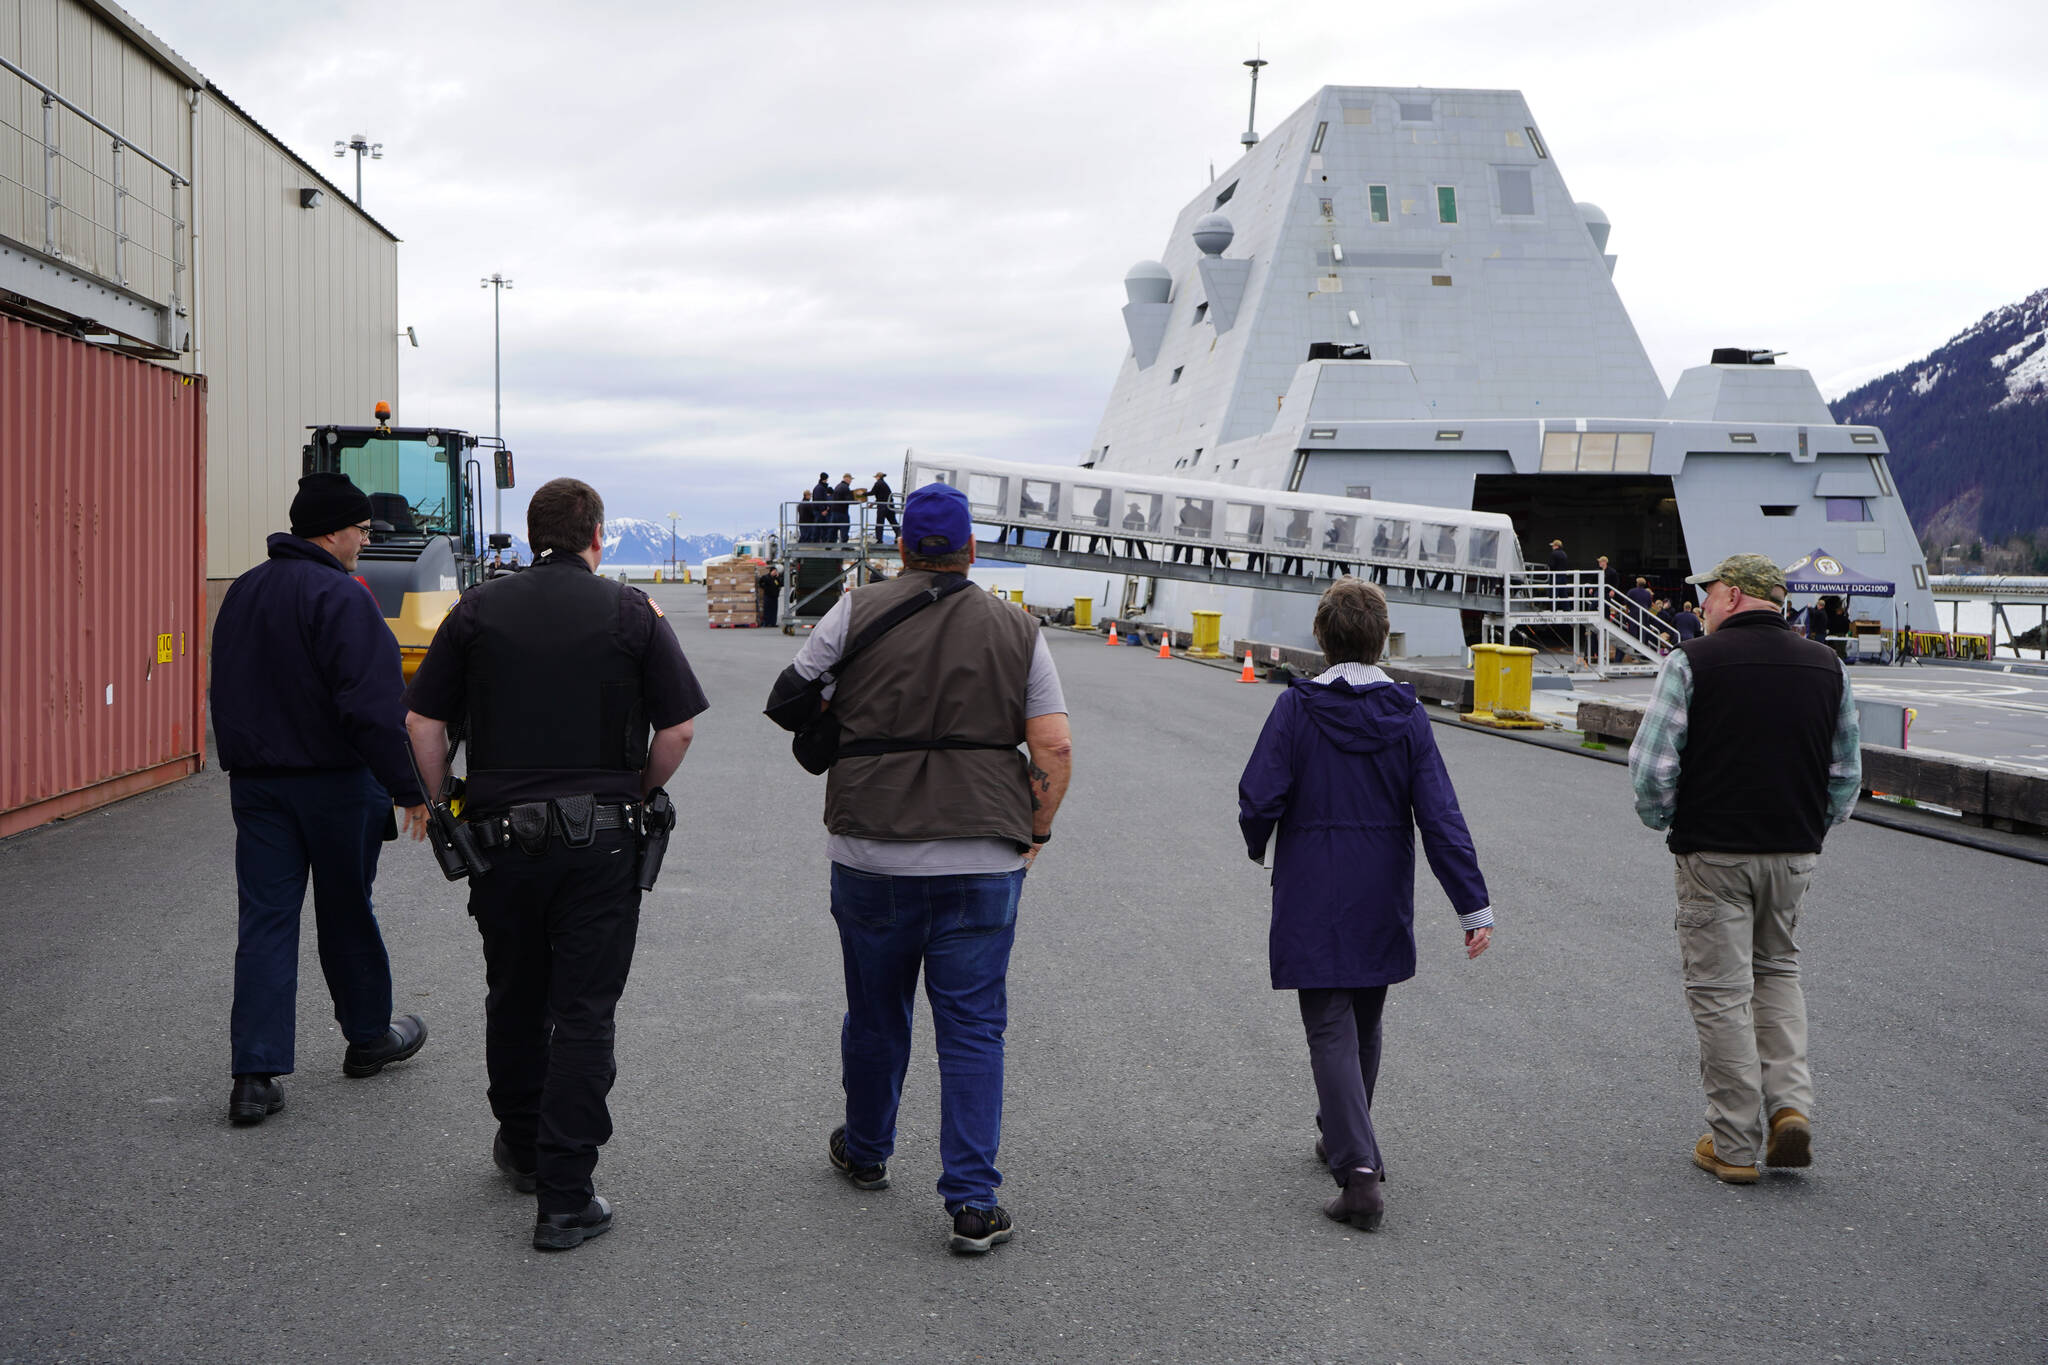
(637, 540)
(1968, 427)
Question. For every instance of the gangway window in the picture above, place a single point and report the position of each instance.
(1294, 531)
(1141, 511)
(1484, 547)
(987, 493)
(1194, 516)
(1437, 544)
(1040, 500)
(1091, 505)
(1389, 538)
(926, 474)
(1341, 537)
(1244, 522)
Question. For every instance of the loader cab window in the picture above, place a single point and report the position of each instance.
(410, 484)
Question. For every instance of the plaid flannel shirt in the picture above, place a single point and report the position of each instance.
(1653, 759)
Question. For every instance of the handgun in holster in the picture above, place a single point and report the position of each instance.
(657, 821)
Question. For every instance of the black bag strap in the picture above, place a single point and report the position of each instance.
(894, 617)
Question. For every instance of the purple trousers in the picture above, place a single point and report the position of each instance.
(1343, 1027)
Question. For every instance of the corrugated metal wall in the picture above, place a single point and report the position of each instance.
(102, 561)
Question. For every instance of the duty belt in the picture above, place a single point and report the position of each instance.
(575, 820)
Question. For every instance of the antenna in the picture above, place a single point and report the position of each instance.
(1250, 135)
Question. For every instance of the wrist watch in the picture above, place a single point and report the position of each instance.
(1044, 838)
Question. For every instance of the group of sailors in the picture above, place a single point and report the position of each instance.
(825, 513)
(1663, 620)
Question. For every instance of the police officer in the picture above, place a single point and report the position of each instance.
(559, 674)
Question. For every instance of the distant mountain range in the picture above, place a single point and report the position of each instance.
(1968, 429)
(636, 540)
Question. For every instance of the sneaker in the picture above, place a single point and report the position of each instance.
(563, 1231)
(875, 1177)
(976, 1230)
(1704, 1157)
(1791, 1142)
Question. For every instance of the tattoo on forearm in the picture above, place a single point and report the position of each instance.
(1041, 785)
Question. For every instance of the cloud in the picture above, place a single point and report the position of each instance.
(752, 240)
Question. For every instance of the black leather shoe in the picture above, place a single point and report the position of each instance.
(254, 1099)
(564, 1231)
(525, 1179)
(407, 1034)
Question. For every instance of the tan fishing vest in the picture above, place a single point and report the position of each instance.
(955, 671)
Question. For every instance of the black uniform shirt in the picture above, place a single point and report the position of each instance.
(668, 687)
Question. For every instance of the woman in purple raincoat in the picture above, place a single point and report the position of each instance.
(1345, 772)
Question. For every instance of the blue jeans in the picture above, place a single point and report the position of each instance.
(331, 824)
(959, 930)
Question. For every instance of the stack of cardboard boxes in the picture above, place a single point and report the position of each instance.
(729, 592)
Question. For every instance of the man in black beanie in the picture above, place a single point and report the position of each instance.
(307, 712)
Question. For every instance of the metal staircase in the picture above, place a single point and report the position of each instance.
(1611, 635)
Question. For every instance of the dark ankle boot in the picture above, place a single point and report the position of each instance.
(1361, 1204)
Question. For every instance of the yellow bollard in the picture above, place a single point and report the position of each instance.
(657, 575)
(1501, 683)
(1017, 596)
(1084, 613)
(1208, 635)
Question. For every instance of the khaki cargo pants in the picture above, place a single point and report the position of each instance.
(1736, 917)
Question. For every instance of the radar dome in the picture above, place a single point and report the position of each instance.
(1148, 282)
(1213, 233)
(1596, 224)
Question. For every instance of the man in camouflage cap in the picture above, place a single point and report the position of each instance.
(1747, 756)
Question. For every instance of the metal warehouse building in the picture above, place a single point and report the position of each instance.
(147, 220)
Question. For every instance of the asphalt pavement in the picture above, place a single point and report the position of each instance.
(1538, 1106)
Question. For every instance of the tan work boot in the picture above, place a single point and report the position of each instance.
(1791, 1141)
(1704, 1158)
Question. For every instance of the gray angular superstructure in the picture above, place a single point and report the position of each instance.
(1394, 296)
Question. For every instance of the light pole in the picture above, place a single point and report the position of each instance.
(360, 143)
(672, 544)
(497, 284)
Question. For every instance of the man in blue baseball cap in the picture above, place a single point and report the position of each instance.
(933, 818)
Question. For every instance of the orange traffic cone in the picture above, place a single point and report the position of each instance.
(1112, 634)
(1166, 644)
(1249, 674)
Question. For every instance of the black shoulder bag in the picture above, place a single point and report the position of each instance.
(797, 703)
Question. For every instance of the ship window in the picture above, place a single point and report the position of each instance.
(1777, 510)
(1742, 438)
(1176, 374)
(1378, 195)
(1517, 192)
(1848, 509)
(1244, 522)
(1322, 433)
(1224, 197)
(1447, 203)
(1596, 452)
(1864, 438)
(1417, 111)
(1438, 544)
(1294, 534)
(986, 492)
(1537, 143)
(1632, 452)
(1484, 546)
(1919, 575)
(1560, 451)
(1201, 311)
(1389, 538)
(1040, 500)
(1884, 479)
(1096, 500)
(1321, 128)
(1358, 490)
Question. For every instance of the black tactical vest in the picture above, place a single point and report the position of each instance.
(554, 691)
(1753, 777)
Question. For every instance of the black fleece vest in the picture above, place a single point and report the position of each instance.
(554, 692)
(1753, 777)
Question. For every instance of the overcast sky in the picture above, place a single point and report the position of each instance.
(751, 242)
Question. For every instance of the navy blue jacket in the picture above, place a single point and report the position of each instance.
(1347, 775)
(305, 673)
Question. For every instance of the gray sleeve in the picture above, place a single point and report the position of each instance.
(1042, 694)
(826, 643)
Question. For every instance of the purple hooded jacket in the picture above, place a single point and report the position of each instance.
(1347, 774)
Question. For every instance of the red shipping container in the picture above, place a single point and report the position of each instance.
(102, 575)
